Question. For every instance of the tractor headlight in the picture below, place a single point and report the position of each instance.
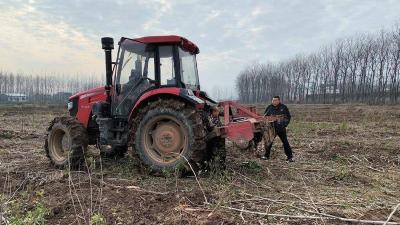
(70, 105)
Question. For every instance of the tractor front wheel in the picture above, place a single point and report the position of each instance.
(66, 142)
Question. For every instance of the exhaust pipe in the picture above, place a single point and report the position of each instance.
(107, 44)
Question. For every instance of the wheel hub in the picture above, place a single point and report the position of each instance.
(61, 143)
(168, 138)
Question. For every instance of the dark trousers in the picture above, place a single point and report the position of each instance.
(288, 150)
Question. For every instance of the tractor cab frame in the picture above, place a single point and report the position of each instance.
(143, 65)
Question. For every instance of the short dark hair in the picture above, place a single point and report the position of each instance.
(277, 96)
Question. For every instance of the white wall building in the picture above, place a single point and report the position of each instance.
(16, 97)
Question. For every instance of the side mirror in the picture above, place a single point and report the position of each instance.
(118, 89)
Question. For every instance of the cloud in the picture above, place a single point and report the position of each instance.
(160, 8)
(34, 43)
(63, 36)
(211, 17)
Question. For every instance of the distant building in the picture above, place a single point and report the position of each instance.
(14, 97)
(57, 98)
(3, 98)
(61, 97)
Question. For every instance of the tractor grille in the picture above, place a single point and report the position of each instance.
(74, 110)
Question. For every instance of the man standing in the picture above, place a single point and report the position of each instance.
(283, 118)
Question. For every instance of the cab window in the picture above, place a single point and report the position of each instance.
(167, 71)
(136, 67)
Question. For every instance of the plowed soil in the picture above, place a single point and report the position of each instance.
(347, 165)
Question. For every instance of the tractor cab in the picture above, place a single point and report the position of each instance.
(148, 63)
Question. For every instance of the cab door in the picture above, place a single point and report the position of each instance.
(134, 75)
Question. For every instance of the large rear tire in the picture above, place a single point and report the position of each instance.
(66, 142)
(169, 136)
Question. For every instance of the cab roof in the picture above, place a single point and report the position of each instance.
(170, 39)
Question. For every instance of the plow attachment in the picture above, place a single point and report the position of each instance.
(243, 124)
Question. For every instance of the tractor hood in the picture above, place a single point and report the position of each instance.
(89, 93)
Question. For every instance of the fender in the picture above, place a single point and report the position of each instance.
(181, 93)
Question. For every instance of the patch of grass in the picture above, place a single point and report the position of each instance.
(305, 128)
(301, 127)
(339, 158)
(35, 216)
(97, 219)
(342, 173)
(251, 167)
(223, 176)
(4, 152)
(6, 134)
(339, 150)
(25, 212)
(346, 144)
(123, 168)
(343, 126)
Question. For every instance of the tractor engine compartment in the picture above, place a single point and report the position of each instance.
(112, 130)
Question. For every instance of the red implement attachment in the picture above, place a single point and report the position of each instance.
(241, 122)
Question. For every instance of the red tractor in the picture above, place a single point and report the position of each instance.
(151, 102)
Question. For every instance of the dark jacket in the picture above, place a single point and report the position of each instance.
(280, 109)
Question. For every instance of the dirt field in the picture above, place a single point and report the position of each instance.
(347, 165)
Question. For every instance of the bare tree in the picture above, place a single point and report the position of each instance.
(363, 68)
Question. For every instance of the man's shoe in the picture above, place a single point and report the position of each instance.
(264, 157)
(290, 160)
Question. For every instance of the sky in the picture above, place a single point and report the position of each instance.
(63, 37)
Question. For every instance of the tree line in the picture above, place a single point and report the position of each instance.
(359, 69)
(46, 88)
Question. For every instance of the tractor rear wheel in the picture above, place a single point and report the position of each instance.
(170, 136)
(66, 142)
